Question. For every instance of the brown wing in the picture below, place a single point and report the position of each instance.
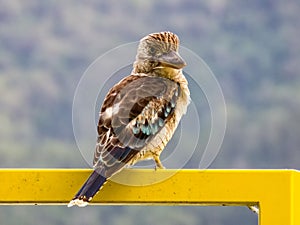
(133, 112)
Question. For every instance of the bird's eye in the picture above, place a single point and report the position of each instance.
(152, 50)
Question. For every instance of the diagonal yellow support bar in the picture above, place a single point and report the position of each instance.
(276, 191)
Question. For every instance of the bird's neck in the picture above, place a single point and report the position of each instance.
(156, 70)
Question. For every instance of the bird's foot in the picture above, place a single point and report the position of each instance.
(158, 164)
(161, 167)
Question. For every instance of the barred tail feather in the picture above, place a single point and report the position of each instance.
(88, 190)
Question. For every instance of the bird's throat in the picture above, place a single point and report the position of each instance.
(167, 72)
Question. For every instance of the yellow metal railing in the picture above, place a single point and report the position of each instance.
(277, 192)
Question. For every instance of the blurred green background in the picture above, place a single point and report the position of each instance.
(252, 47)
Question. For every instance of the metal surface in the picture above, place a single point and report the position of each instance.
(277, 192)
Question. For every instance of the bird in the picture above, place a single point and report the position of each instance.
(139, 114)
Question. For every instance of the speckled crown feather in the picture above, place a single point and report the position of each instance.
(166, 37)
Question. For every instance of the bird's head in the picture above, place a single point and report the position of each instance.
(158, 51)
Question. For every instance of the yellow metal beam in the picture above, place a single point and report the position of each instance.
(277, 192)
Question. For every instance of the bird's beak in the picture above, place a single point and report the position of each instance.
(172, 59)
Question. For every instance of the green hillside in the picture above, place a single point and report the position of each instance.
(252, 47)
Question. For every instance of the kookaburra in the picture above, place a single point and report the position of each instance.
(139, 114)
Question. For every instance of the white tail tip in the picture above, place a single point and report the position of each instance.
(78, 202)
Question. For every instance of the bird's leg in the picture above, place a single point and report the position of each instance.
(158, 164)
